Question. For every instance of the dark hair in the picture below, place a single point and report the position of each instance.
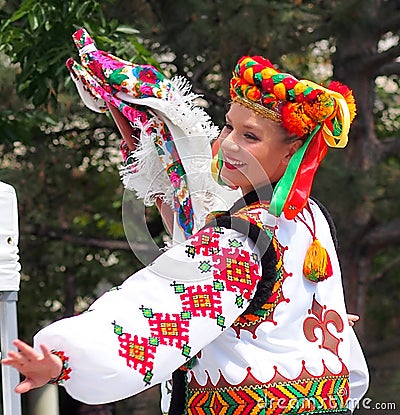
(291, 138)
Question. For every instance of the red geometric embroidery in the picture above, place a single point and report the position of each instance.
(137, 353)
(321, 318)
(205, 242)
(235, 267)
(170, 329)
(202, 301)
(249, 213)
(250, 322)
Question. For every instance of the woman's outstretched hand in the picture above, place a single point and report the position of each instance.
(38, 368)
(352, 318)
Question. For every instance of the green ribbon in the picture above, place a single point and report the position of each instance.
(282, 189)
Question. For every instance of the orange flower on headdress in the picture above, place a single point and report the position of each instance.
(320, 107)
(295, 119)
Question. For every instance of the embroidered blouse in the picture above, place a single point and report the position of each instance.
(190, 308)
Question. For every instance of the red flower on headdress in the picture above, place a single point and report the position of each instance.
(347, 95)
(269, 100)
(267, 84)
(289, 82)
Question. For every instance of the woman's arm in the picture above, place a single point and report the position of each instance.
(137, 334)
(131, 141)
(124, 128)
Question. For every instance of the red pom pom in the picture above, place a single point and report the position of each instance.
(347, 95)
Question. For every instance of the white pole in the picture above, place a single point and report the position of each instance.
(9, 286)
(10, 376)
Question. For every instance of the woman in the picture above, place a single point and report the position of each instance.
(249, 311)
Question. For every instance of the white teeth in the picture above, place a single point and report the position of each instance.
(234, 162)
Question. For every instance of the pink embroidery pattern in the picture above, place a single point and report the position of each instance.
(205, 242)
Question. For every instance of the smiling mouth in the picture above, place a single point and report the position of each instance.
(233, 164)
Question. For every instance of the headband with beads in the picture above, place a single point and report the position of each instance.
(320, 116)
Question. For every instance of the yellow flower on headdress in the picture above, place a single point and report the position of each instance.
(280, 91)
(268, 72)
(299, 88)
(253, 93)
(248, 75)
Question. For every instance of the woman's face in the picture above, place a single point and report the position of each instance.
(253, 149)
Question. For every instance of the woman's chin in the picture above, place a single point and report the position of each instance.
(230, 184)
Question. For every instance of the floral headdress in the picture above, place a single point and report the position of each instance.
(321, 116)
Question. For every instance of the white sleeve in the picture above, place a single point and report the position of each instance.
(9, 258)
(137, 334)
(359, 375)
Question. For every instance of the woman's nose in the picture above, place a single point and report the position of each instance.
(229, 142)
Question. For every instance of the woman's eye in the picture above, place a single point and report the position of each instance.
(227, 127)
(226, 130)
(251, 137)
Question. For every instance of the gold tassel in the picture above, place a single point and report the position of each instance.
(317, 265)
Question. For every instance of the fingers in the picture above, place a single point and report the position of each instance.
(26, 350)
(24, 356)
(25, 386)
(13, 359)
(352, 318)
(46, 352)
(7, 361)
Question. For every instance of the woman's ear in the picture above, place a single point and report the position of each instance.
(292, 148)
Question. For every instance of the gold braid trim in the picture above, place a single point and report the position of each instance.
(259, 109)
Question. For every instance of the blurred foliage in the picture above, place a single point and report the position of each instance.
(66, 185)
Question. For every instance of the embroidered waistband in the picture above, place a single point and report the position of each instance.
(306, 396)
